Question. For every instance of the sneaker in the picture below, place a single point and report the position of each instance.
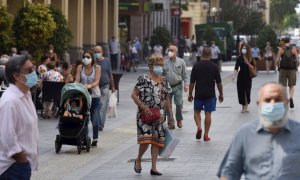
(291, 103)
(94, 143)
(199, 134)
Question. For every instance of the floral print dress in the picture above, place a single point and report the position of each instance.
(153, 95)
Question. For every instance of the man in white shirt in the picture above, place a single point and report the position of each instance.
(158, 49)
(215, 52)
(114, 51)
(18, 121)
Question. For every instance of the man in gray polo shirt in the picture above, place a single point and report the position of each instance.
(268, 148)
(175, 72)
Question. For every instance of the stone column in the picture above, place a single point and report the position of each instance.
(102, 25)
(116, 17)
(47, 2)
(89, 24)
(65, 8)
(75, 21)
(3, 2)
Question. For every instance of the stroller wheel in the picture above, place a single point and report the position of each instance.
(79, 149)
(88, 144)
(57, 144)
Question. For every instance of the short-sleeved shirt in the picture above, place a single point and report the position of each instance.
(255, 52)
(215, 51)
(205, 74)
(153, 94)
(53, 76)
(105, 72)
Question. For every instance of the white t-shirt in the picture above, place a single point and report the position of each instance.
(215, 51)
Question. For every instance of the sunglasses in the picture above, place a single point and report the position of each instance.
(89, 57)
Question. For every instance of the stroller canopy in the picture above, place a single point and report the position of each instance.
(73, 88)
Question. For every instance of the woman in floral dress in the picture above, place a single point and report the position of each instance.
(151, 91)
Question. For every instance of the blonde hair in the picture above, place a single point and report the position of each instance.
(155, 59)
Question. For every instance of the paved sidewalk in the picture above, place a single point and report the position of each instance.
(113, 159)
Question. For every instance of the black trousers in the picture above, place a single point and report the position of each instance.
(114, 61)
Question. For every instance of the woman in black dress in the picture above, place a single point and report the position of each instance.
(244, 81)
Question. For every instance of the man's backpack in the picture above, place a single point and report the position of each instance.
(288, 60)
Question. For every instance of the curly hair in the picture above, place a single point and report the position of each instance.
(155, 59)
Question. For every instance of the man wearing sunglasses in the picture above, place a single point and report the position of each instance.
(18, 121)
(175, 72)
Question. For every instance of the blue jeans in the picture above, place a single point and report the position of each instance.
(17, 171)
(104, 104)
(95, 116)
(177, 93)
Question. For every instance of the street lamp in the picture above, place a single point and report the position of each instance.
(214, 12)
(206, 5)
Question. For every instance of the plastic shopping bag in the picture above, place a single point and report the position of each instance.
(112, 106)
(171, 141)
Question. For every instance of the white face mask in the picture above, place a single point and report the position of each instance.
(87, 61)
(267, 116)
(170, 54)
(244, 51)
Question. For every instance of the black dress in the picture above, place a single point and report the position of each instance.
(244, 81)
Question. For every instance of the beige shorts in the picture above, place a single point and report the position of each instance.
(287, 77)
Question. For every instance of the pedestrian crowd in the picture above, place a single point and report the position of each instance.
(274, 157)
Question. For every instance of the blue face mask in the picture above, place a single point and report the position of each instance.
(98, 55)
(31, 79)
(273, 111)
(158, 70)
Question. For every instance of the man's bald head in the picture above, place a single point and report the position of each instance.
(206, 53)
(98, 49)
(272, 92)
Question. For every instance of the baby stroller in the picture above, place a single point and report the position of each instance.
(71, 129)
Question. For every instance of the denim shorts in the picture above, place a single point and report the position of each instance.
(208, 105)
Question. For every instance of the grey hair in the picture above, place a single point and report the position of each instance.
(14, 65)
(98, 47)
(282, 88)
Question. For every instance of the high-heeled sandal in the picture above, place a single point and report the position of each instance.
(135, 169)
(155, 173)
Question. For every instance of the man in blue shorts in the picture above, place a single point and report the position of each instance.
(205, 74)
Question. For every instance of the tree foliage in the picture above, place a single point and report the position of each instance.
(245, 21)
(33, 26)
(283, 14)
(6, 40)
(161, 36)
(265, 35)
(62, 35)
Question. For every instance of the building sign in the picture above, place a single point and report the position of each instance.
(129, 6)
(175, 12)
(158, 7)
(177, 2)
